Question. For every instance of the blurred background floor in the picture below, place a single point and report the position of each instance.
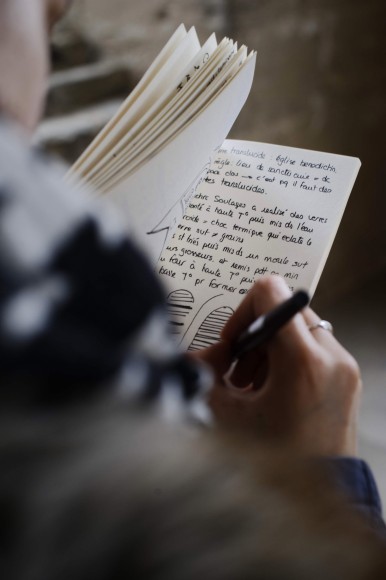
(359, 320)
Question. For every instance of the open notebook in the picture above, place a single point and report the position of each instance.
(213, 214)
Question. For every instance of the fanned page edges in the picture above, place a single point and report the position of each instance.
(169, 122)
(96, 146)
(183, 79)
(168, 101)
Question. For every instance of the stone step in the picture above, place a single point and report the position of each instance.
(81, 86)
(70, 48)
(67, 136)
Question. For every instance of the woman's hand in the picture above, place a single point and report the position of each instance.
(302, 390)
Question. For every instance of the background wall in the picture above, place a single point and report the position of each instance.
(321, 84)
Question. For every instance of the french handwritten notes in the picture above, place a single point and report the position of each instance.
(259, 209)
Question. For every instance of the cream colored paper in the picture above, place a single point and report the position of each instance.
(261, 209)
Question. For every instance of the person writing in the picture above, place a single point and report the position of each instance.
(83, 319)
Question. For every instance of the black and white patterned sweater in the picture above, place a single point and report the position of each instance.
(80, 308)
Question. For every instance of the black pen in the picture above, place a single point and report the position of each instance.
(267, 325)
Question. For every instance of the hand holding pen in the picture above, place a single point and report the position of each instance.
(299, 386)
(267, 325)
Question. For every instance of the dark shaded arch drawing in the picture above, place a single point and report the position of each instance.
(210, 329)
(179, 305)
(205, 327)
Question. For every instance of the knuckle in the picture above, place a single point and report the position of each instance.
(315, 366)
(311, 365)
(349, 373)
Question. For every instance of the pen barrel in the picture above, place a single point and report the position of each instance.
(265, 327)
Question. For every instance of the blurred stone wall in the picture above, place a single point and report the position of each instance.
(140, 28)
(320, 84)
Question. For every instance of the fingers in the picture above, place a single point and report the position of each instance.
(263, 296)
(321, 336)
(266, 294)
(250, 371)
(331, 346)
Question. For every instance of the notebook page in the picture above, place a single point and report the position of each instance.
(260, 209)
